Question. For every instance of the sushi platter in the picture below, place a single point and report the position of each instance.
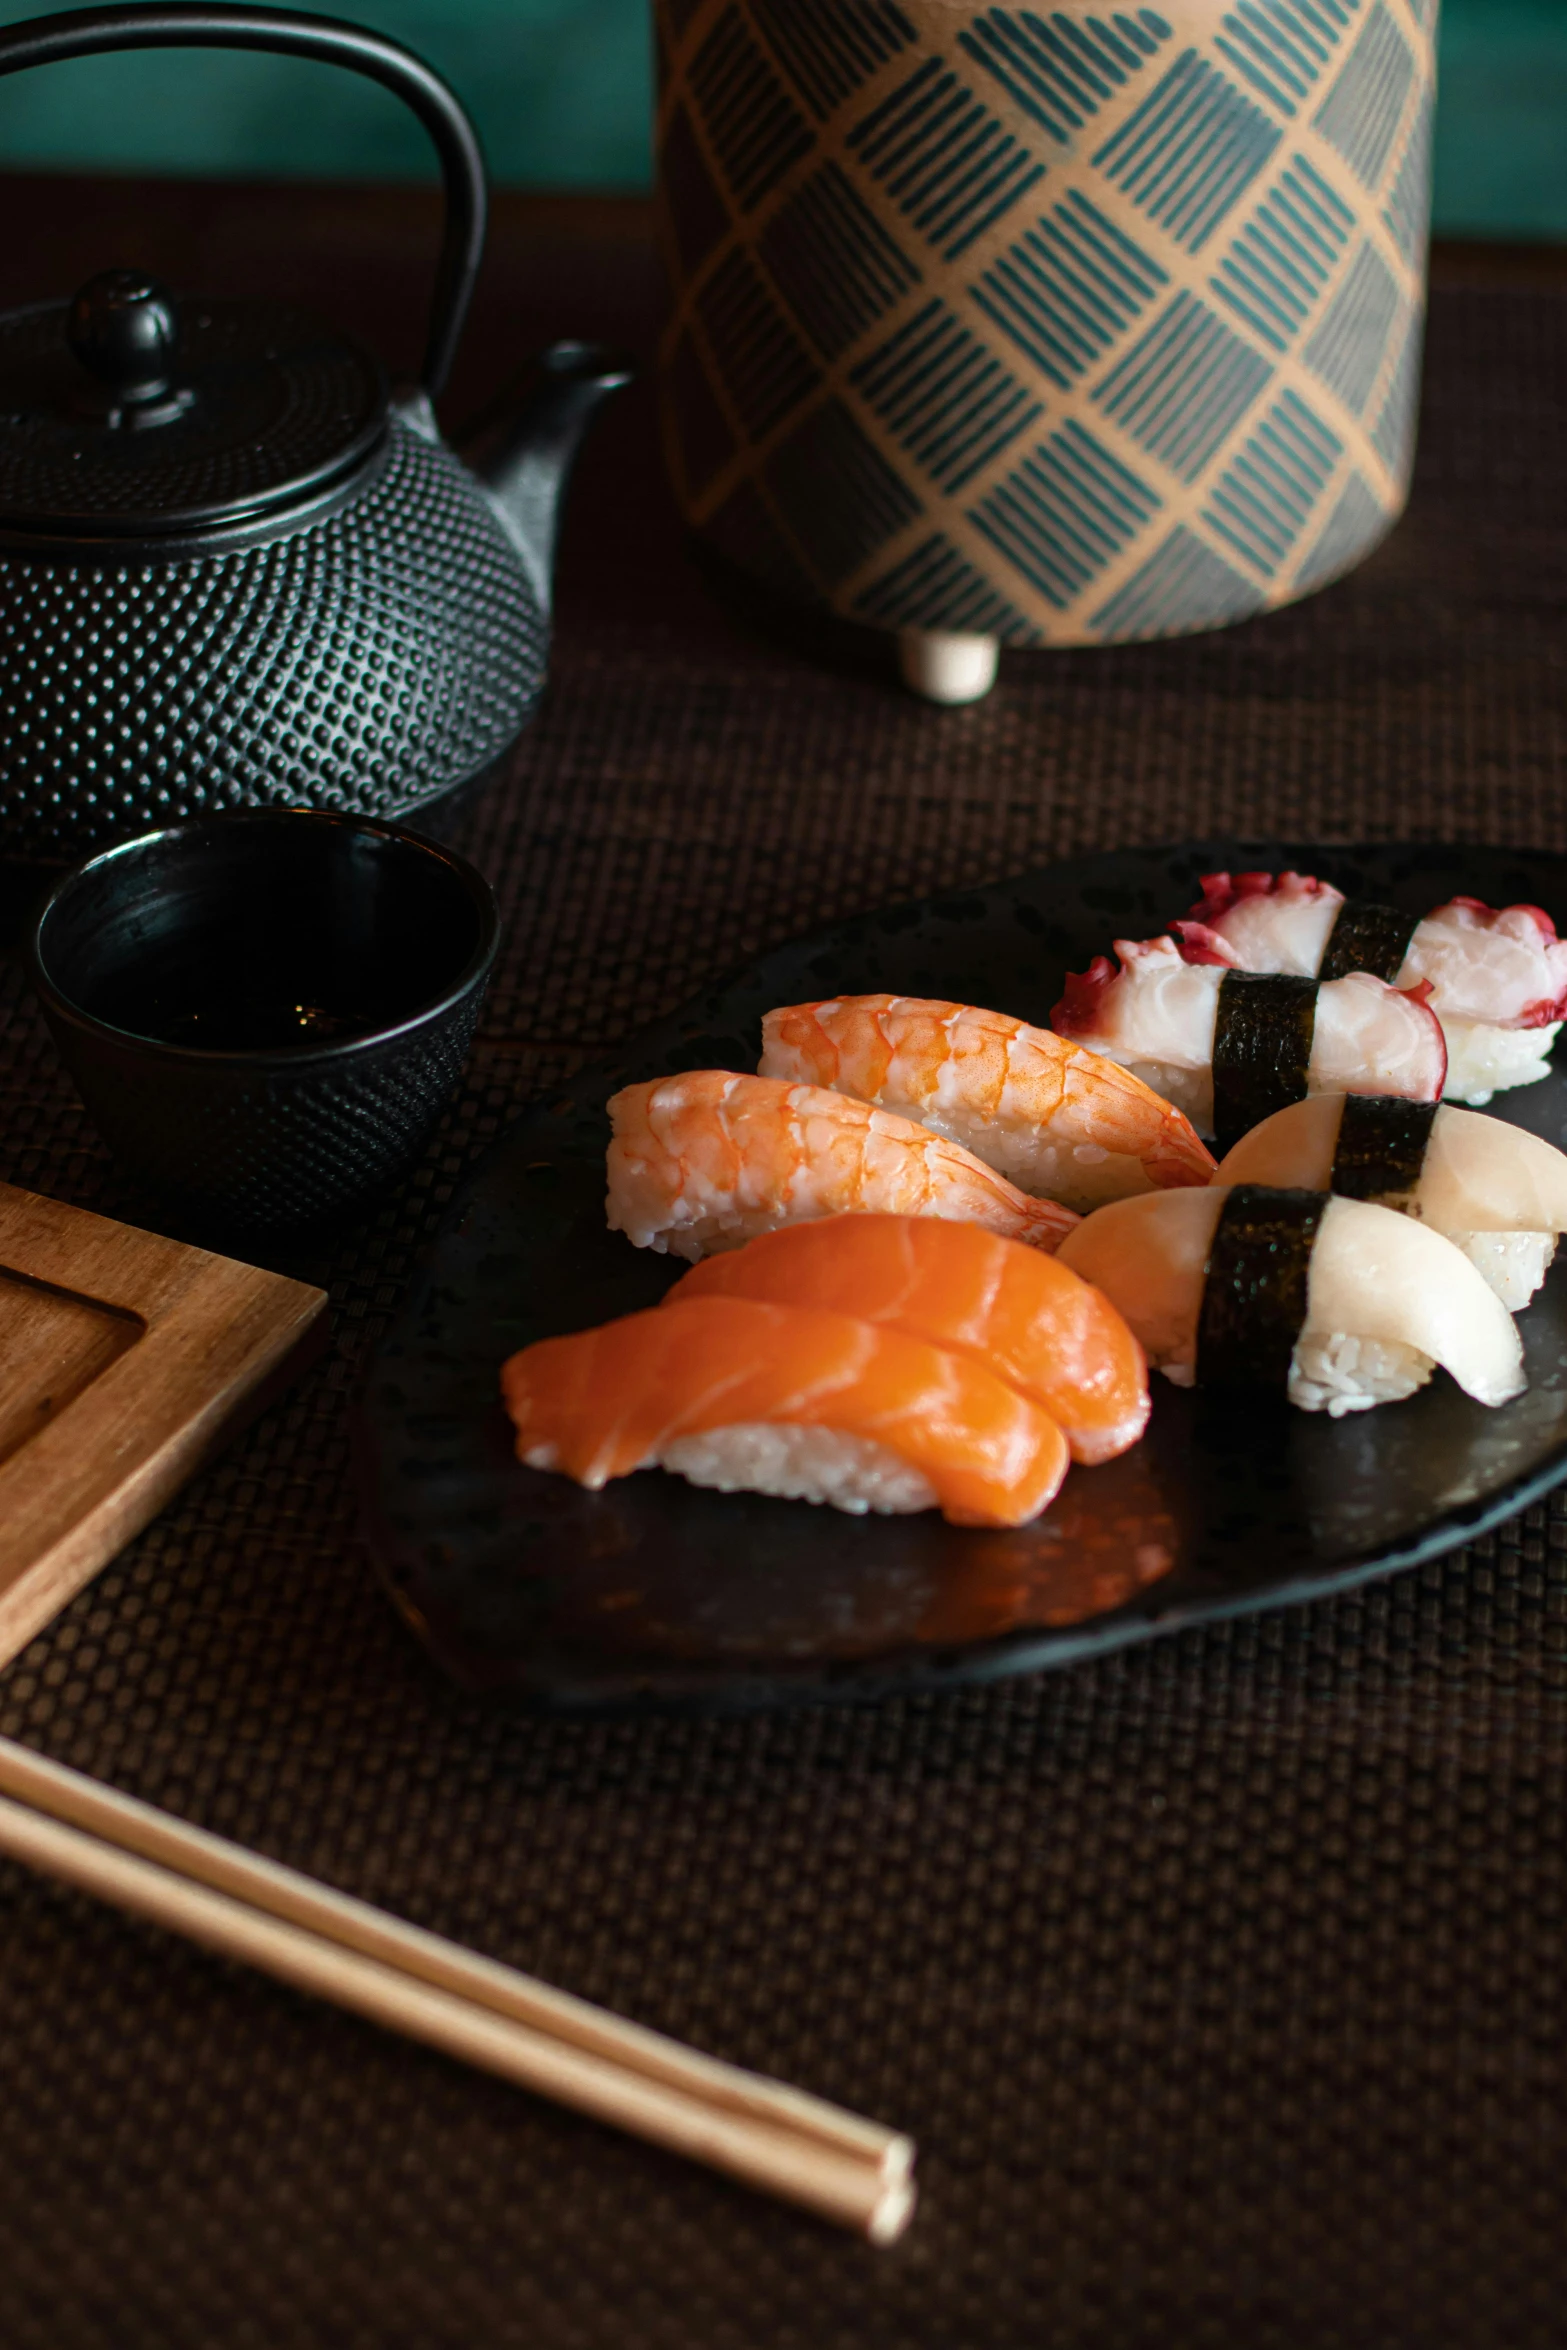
(1351, 1458)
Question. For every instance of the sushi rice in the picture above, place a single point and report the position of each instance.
(1483, 1061)
(847, 1472)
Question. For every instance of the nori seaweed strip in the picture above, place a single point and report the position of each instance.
(1381, 1146)
(1367, 937)
(1261, 1049)
(1255, 1295)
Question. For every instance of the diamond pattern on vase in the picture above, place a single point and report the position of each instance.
(1361, 113)
(1062, 69)
(1349, 346)
(1408, 208)
(843, 500)
(1190, 151)
(755, 129)
(1268, 494)
(934, 588)
(1355, 524)
(701, 430)
(1278, 265)
(943, 158)
(1068, 288)
(1184, 386)
(833, 262)
(1184, 585)
(1135, 288)
(696, 212)
(1393, 436)
(763, 367)
(1282, 46)
(943, 395)
(1068, 509)
(831, 47)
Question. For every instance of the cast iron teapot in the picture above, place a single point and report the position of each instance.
(235, 569)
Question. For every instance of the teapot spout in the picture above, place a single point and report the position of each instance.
(526, 475)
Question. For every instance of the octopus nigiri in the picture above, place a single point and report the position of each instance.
(708, 1160)
(1496, 1193)
(1032, 1323)
(750, 1397)
(1230, 1046)
(1057, 1120)
(1340, 1304)
(1498, 976)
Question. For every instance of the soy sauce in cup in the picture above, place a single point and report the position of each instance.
(265, 1012)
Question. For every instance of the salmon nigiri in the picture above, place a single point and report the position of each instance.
(1055, 1118)
(747, 1397)
(708, 1160)
(1034, 1323)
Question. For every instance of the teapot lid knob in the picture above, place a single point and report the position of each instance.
(126, 413)
(125, 329)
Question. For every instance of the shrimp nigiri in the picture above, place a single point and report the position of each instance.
(1340, 1303)
(749, 1397)
(1022, 1314)
(1496, 1193)
(1059, 1121)
(708, 1160)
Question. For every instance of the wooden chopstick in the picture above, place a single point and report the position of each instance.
(775, 2138)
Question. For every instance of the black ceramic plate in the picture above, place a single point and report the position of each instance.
(655, 1592)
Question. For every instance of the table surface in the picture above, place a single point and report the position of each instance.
(1219, 1980)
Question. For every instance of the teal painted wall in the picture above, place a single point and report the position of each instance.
(559, 89)
(1501, 126)
(560, 92)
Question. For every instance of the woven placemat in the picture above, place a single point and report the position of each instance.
(1219, 1981)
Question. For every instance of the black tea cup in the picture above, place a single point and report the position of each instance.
(265, 1012)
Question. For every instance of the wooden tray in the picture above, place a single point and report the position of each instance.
(126, 1360)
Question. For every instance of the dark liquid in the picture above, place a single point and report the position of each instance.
(246, 1024)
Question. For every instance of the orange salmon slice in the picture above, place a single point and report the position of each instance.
(605, 1402)
(1044, 1329)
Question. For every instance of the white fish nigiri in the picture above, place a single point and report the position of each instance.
(1157, 1015)
(1497, 1193)
(1498, 975)
(1386, 1299)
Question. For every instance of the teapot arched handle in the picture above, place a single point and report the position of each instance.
(87, 32)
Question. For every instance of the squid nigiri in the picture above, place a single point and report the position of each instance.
(708, 1160)
(1340, 1304)
(1496, 1193)
(1498, 976)
(750, 1397)
(1230, 1047)
(1057, 1120)
(1020, 1313)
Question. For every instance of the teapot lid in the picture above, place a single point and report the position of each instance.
(126, 414)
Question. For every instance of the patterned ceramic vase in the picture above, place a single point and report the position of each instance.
(1075, 325)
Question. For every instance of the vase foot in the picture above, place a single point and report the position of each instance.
(944, 666)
